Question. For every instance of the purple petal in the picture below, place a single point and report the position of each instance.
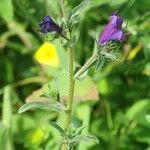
(118, 36)
(45, 27)
(116, 21)
(106, 34)
(47, 19)
(48, 25)
(113, 30)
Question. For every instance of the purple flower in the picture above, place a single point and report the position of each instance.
(48, 25)
(113, 30)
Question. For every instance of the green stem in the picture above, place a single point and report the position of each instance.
(63, 8)
(71, 89)
(68, 114)
(86, 65)
(108, 114)
(65, 37)
(70, 95)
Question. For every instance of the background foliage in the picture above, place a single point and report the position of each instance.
(117, 118)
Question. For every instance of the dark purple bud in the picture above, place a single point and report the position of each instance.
(48, 25)
(113, 30)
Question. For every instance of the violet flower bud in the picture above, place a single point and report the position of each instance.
(48, 25)
(113, 30)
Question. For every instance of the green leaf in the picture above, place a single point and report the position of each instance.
(6, 10)
(57, 127)
(79, 130)
(73, 15)
(85, 90)
(80, 7)
(84, 138)
(51, 105)
(52, 93)
(138, 107)
(142, 135)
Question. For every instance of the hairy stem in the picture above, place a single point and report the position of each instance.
(71, 89)
(86, 65)
(68, 114)
(63, 8)
(70, 95)
(66, 38)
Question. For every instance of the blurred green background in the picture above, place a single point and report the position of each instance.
(119, 117)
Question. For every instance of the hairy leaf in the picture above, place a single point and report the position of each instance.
(51, 105)
(79, 130)
(85, 90)
(84, 138)
(73, 15)
(57, 127)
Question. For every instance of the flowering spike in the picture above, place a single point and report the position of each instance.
(113, 30)
(48, 25)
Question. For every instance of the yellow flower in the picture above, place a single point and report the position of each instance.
(47, 55)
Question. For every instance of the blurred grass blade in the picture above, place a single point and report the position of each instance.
(51, 105)
(7, 110)
(2, 136)
(6, 10)
(7, 118)
(139, 106)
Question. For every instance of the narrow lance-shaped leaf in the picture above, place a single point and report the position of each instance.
(85, 90)
(55, 106)
(84, 138)
(136, 108)
(3, 136)
(79, 130)
(57, 127)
